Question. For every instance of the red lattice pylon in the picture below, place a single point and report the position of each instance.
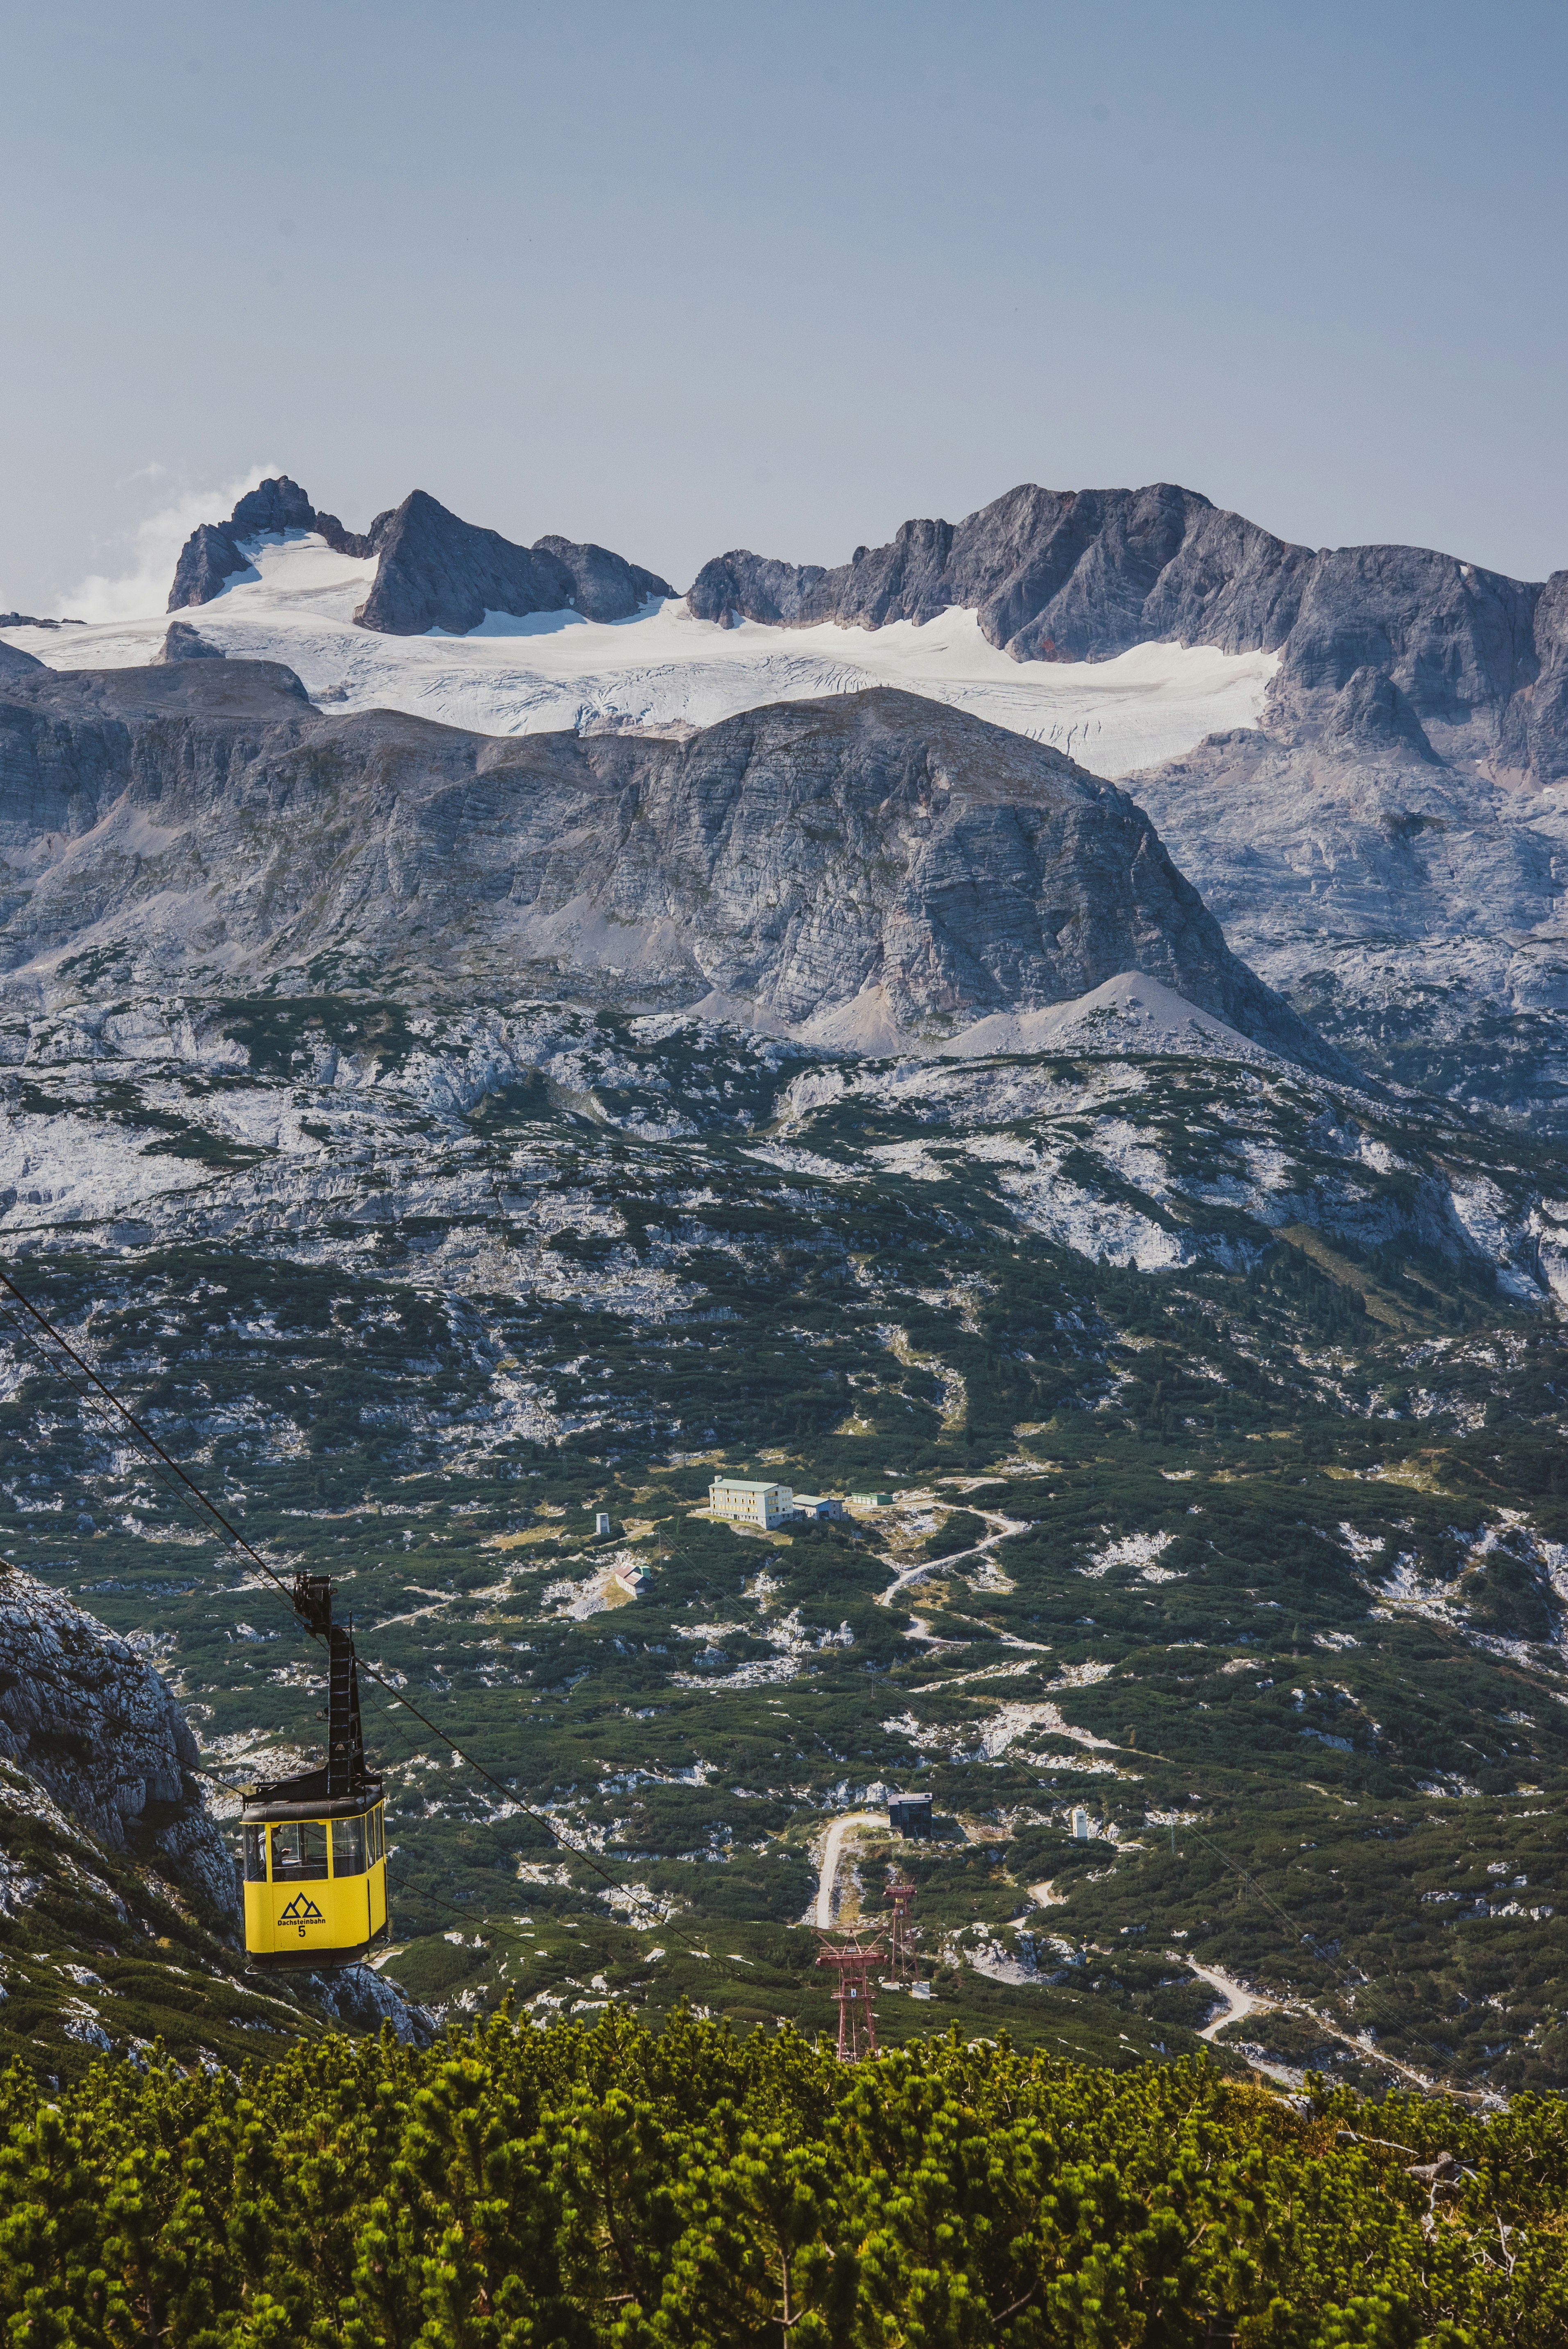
(856, 1963)
(902, 1896)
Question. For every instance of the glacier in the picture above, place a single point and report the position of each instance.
(665, 670)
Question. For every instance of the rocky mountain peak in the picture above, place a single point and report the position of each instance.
(1084, 575)
(215, 553)
(434, 570)
(278, 504)
(437, 570)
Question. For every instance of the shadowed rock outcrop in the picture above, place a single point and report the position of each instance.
(437, 570)
(434, 570)
(182, 641)
(84, 1715)
(213, 554)
(275, 505)
(208, 560)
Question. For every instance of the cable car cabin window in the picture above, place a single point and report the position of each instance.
(381, 1832)
(348, 1847)
(299, 1851)
(255, 1856)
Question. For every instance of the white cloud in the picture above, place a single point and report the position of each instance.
(152, 549)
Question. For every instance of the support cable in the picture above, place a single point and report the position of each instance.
(192, 1492)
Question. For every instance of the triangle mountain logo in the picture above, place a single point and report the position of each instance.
(302, 1911)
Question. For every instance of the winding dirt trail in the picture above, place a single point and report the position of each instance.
(1240, 2001)
(1006, 1527)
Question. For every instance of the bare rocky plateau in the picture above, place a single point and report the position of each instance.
(869, 851)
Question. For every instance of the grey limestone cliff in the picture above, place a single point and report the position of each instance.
(793, 858)
(91, 1722)
(1387, 844)
(1053, 576)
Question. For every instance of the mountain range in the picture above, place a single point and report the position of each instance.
(1386, 843)
(1358, 756)
(1384, 648)
(873, 860)
(1052, 1021)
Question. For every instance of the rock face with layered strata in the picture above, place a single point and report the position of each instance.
(83, 1714)
(1389, 846)
(1380, 645)
(205, 816)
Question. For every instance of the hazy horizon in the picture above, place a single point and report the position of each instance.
(684, 282)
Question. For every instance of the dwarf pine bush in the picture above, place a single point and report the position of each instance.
(513, 2189)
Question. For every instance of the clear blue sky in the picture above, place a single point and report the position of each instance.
(687, 276)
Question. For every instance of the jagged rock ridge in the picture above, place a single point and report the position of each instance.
(434, 570)
(1380, 645)
(215, 552)
(93, 1724)
(793, 859)
(1386, 844)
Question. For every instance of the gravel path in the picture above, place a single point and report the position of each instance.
(823, 1917)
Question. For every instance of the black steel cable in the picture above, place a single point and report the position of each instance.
(1369, 1981)
(192, 1491)
(1283, 1915)
(82, 1394)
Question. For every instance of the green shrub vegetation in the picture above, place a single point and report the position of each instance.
(578, 2186)
(1254, 1556)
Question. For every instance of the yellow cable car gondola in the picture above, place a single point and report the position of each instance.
(315, 1857)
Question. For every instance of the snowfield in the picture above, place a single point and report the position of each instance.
(663, 670)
